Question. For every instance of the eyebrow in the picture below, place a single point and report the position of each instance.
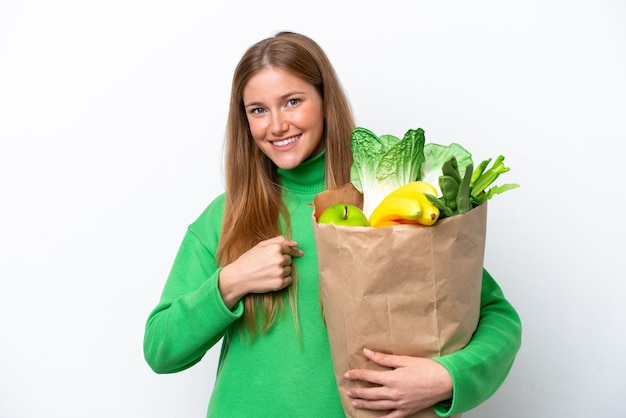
(281, 98)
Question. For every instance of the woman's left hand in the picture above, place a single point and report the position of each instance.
(412, 384)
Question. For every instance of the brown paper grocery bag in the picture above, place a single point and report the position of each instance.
(407, 289)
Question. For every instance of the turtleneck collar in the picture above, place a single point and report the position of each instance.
(307, 177)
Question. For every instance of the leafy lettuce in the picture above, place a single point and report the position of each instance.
(382, 164)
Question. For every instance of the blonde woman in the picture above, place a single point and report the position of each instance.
(246, 272)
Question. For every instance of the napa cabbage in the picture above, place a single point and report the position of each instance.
(381, 164)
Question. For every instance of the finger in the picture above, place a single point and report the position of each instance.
(286, 241)
(286, 282)
(366, 375)
(295, 252)
(283, 241)
(287, 270)
(292, 251)
(397, 413)
(375, 393)
(389, 406)
(382, 359)
(375, 405)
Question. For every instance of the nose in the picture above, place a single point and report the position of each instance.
(280, 123)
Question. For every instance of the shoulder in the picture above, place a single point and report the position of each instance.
(214, 209)
(208, 224)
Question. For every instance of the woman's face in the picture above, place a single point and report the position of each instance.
(285, 116)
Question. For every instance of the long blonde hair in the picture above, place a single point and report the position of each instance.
(254, 210)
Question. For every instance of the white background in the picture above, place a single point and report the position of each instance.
(112, 115)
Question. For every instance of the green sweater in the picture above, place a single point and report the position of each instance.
(279, 374)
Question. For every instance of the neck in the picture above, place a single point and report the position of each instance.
(307, 177)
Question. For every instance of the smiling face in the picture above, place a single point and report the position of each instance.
(285, 115)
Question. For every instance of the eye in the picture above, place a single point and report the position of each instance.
(257, 110)
(292, 102)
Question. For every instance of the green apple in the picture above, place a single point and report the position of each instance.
(343, 214)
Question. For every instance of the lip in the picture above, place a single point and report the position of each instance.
(286, 143)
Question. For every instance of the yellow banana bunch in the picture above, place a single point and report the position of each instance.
(395, 209)
(399, 206)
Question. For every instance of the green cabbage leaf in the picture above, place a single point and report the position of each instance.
(435, 155)
(382, 164)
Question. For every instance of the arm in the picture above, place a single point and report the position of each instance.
(191, 315)
(480, 368)
(201, 300)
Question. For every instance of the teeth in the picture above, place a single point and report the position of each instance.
(285, 141)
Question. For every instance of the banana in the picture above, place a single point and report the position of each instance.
(388, 223)
(415, 190)
(395, 208)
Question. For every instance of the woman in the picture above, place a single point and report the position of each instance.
(246, 271)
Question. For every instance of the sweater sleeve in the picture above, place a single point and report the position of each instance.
(191, 316)
(481, 367)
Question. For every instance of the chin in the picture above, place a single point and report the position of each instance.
(287, 163)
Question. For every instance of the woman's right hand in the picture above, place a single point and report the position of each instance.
(266, 267)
